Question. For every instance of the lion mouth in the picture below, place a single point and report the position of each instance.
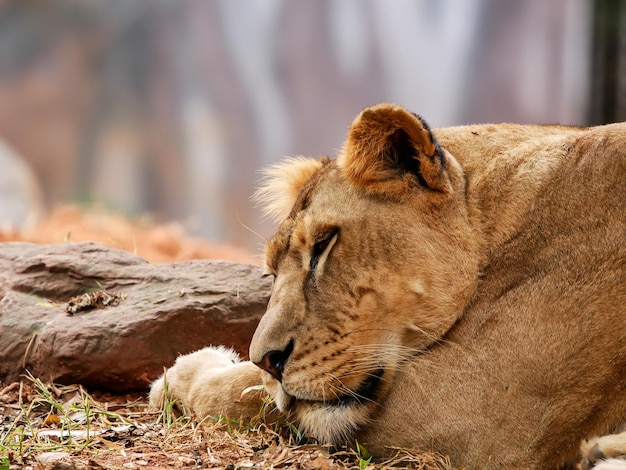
(366, 392)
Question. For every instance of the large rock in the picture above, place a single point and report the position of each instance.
(159, 312)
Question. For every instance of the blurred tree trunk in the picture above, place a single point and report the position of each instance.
(608, 75)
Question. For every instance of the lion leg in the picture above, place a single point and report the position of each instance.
(604, 452)
(212, 382)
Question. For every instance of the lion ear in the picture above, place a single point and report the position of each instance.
(385, 144)
(281, 183)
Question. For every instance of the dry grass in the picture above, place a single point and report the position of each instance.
(48, 426)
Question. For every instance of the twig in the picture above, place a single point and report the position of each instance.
(27, 352)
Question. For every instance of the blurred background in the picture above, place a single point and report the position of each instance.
(172, 107)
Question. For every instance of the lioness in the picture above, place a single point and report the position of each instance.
(462, 290)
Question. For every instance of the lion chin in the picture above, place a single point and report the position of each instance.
(461, 290)
(332, 421)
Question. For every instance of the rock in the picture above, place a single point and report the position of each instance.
(162, 311)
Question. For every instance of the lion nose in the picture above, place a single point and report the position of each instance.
(274, 361)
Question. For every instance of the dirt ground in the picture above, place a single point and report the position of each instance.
(54, 427)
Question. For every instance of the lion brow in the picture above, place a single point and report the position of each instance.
(278, 245)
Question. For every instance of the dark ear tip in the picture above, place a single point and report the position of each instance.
(422, 122)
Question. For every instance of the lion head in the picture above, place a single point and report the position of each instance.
(373, 262)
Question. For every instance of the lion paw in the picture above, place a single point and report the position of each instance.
(604, 452)
(213, 381)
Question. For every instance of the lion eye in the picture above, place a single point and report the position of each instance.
(320, 247)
